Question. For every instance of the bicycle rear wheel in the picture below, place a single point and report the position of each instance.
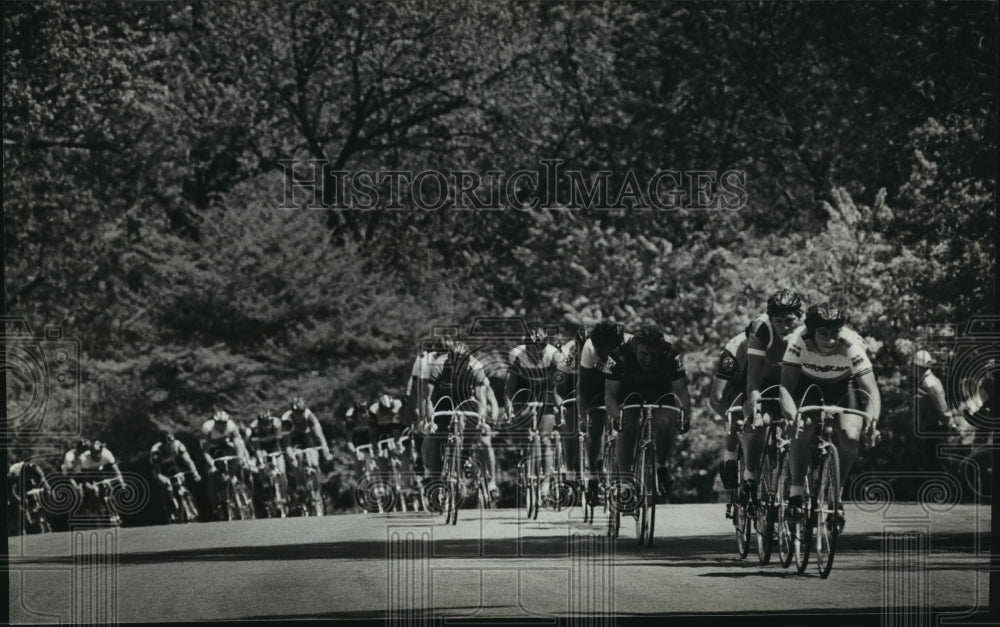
(451, 485)
(612, 496)
(786, 528)
(245, 501)
(535, 478)
(827, 504)
(765, 512)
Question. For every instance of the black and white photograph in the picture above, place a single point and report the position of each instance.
(426, 312)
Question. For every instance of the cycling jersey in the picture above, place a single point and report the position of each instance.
(102, 464)
(225, 438)
(652, 384)
(456, 378)
(268, 434)
(932, 409)
(168, 456)
(588, 356)
(566, 358)
(732, 364)
(774, 350)
(71, 462)
(848, 359)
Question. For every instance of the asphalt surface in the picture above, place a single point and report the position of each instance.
(904, 559)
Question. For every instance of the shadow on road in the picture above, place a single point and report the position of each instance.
(683, 551)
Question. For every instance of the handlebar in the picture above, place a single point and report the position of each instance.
(834, 409)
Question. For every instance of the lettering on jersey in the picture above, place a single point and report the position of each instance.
(829, 368)
(728, 364)
(857, 360)
(795, 350)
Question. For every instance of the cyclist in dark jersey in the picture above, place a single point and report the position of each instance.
(650, 367)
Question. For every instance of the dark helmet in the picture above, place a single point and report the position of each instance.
(96, 447)
(165, 436)
(264, 415)
(824, 316)
(81, 445)
(650, 335)
(784, 302)
(607, 334)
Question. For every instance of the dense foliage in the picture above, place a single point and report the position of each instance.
(143, 177)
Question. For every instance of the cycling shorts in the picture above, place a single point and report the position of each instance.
(822, 392)
(302, 439)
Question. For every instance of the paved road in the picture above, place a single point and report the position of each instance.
(359, 566)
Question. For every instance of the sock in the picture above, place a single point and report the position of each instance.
(750, 476)
(729, 456)
(798, 490)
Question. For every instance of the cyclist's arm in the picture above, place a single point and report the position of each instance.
(756, 365)
(318, 431)
(935, 392)
(873, 404)
(789, 380)
(612, 388)
(427, 407)
(206, 447)
(680, 388)
(488, 399)
(586, 380)
(716, 396)
(188, 461)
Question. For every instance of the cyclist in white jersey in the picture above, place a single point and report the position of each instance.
(826, 354)
(595, 356)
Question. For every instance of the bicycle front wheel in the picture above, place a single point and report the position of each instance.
(803, 530)
(647, 494)
(786, 528)
(827, 505)
(765, 512)
(741, 522)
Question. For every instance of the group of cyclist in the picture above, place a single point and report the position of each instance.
(775, 364)
(778, 364)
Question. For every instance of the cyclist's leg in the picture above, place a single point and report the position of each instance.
(627, 437)
(491, 463)
(166, 493)
(848, 435)
(546, 427)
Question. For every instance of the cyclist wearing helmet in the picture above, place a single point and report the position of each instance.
(825, 354)
(649, 366)
(455, 373)
(605, 337)
(165, 456)
(766, 345)
(386, 412)
(22, 477)
(97, 464)
(71, 465)
(221, 437)
(729, 382)
(532, 366)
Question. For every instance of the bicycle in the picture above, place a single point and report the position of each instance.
(736, 509)
(377, 494)
(236, 502)
(34, 513)
(180, 502)
(529, 477)
(102, 504)
(644, 486)
(274, 485)
(308, 496)
(451, 466)
(590, 501)
(408, 462)
(764, 504)
(387, 450)
(821, 501)
(561, 491)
